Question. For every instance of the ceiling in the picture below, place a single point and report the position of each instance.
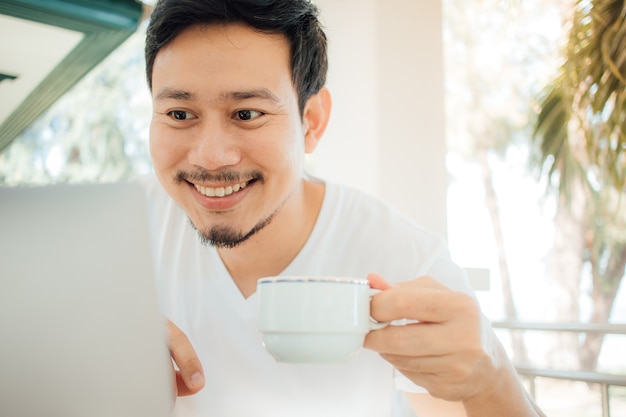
(48, 45)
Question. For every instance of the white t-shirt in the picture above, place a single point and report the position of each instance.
(355, 234)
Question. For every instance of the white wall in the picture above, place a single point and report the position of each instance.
(386, 133)
(349, 151)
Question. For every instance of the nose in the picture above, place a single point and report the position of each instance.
(215, 147)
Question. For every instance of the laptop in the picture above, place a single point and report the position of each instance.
(80, 332)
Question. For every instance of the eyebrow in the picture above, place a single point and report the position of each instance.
(260, 93)
(174, 94)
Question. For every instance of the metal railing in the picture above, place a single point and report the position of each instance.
(603, 379)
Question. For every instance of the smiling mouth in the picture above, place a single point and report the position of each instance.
(221, 191)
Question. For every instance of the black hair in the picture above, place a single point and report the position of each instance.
(297, 20)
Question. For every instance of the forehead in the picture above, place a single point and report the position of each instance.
(219, 53)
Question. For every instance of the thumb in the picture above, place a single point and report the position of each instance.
(189, 376)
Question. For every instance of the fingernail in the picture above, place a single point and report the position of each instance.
(197, 380)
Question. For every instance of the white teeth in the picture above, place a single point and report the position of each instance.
(220, 191)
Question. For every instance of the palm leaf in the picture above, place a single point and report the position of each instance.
(591, 90)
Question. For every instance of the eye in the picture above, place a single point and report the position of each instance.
(181, 115)
(247, 114)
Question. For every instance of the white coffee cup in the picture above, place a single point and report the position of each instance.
(308, 319)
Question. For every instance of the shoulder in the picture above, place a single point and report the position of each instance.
(367, 214)
(372, 233)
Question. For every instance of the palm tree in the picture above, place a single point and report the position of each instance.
(580, 141)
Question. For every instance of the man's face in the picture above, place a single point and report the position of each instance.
(226, 136)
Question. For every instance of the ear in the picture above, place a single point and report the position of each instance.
(315, 118)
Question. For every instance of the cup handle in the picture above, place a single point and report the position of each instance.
(375, 325)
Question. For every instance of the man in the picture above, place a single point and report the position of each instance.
(239, 99)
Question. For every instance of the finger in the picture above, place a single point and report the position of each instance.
(424, 281)
(465, 332)
(443, 376)
(422, 303)
(415, 340)
(189, 374)
(438, 385)
(378, 282)
(180, 389)
(422, 367)
(455, 366)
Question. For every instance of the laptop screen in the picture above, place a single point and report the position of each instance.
(80, 330)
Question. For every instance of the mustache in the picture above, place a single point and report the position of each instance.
(224, 176)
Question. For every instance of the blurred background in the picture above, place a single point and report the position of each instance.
(496, 123)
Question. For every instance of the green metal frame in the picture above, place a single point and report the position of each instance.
(105, 25)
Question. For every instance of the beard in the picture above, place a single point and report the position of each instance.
(224, 236)
(227, 237)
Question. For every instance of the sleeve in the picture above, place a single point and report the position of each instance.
(444, 270)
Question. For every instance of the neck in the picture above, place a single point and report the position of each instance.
(274, 247)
